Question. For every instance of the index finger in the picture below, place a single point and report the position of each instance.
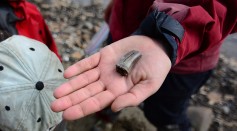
(83, 65)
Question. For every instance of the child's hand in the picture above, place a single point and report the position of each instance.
(94, 83)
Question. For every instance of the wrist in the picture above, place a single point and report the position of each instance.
(163, 28)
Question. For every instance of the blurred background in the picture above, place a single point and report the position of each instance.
(74, 25)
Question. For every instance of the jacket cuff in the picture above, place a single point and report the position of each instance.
(164, 28)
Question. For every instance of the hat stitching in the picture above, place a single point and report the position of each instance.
(44, 72)
(21, 63)
(46, 98)
(36, 115)
(8, 67)
(45, 63)
(54, 116)
(55, 119)
(18, 58)
(12, 88)
(52, 127)
(4, 127)
(48, 83)
(26, 112)
(46, 66)
(28, 86)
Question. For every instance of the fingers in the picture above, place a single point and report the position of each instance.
(77, 96)
(89, 106)
(134, 97)
(82, 66)
(77, 82)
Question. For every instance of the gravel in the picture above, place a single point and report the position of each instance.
(73, 26)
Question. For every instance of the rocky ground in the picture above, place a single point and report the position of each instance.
(73, 26)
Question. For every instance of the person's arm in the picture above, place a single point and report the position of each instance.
(205, 23)
(94, 84)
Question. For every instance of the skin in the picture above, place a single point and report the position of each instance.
(94, 83)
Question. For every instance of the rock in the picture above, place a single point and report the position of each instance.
(65, 57)
(200, 117)
(82, 3)
(214, 97)
(69, 29)
(86, 37)
(96, 28)
(83, 17)
(89, 25)
(132, 119)
(73, 25)
(77, 55)
(46, 5)
(226, 109)
(89, 14)
(229, 97)
(203, 90)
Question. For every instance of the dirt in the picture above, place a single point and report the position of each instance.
(218, 94)
(73, 26)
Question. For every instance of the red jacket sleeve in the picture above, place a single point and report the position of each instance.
(47, 38)
(32, 24)
(206, 23)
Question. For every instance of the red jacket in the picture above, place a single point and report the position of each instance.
(32, 24)
(206, 24)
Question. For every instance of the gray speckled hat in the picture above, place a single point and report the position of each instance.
(29, 72)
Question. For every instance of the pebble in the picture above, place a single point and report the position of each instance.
(214, 97)
(76, 55)
(226, 109)
(73, 26)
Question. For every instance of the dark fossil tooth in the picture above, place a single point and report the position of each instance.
(127, 62)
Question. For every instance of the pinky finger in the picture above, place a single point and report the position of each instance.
(89, 106)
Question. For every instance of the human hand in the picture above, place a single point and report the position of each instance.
(94, 83)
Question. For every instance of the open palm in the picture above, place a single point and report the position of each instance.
(94, 83)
